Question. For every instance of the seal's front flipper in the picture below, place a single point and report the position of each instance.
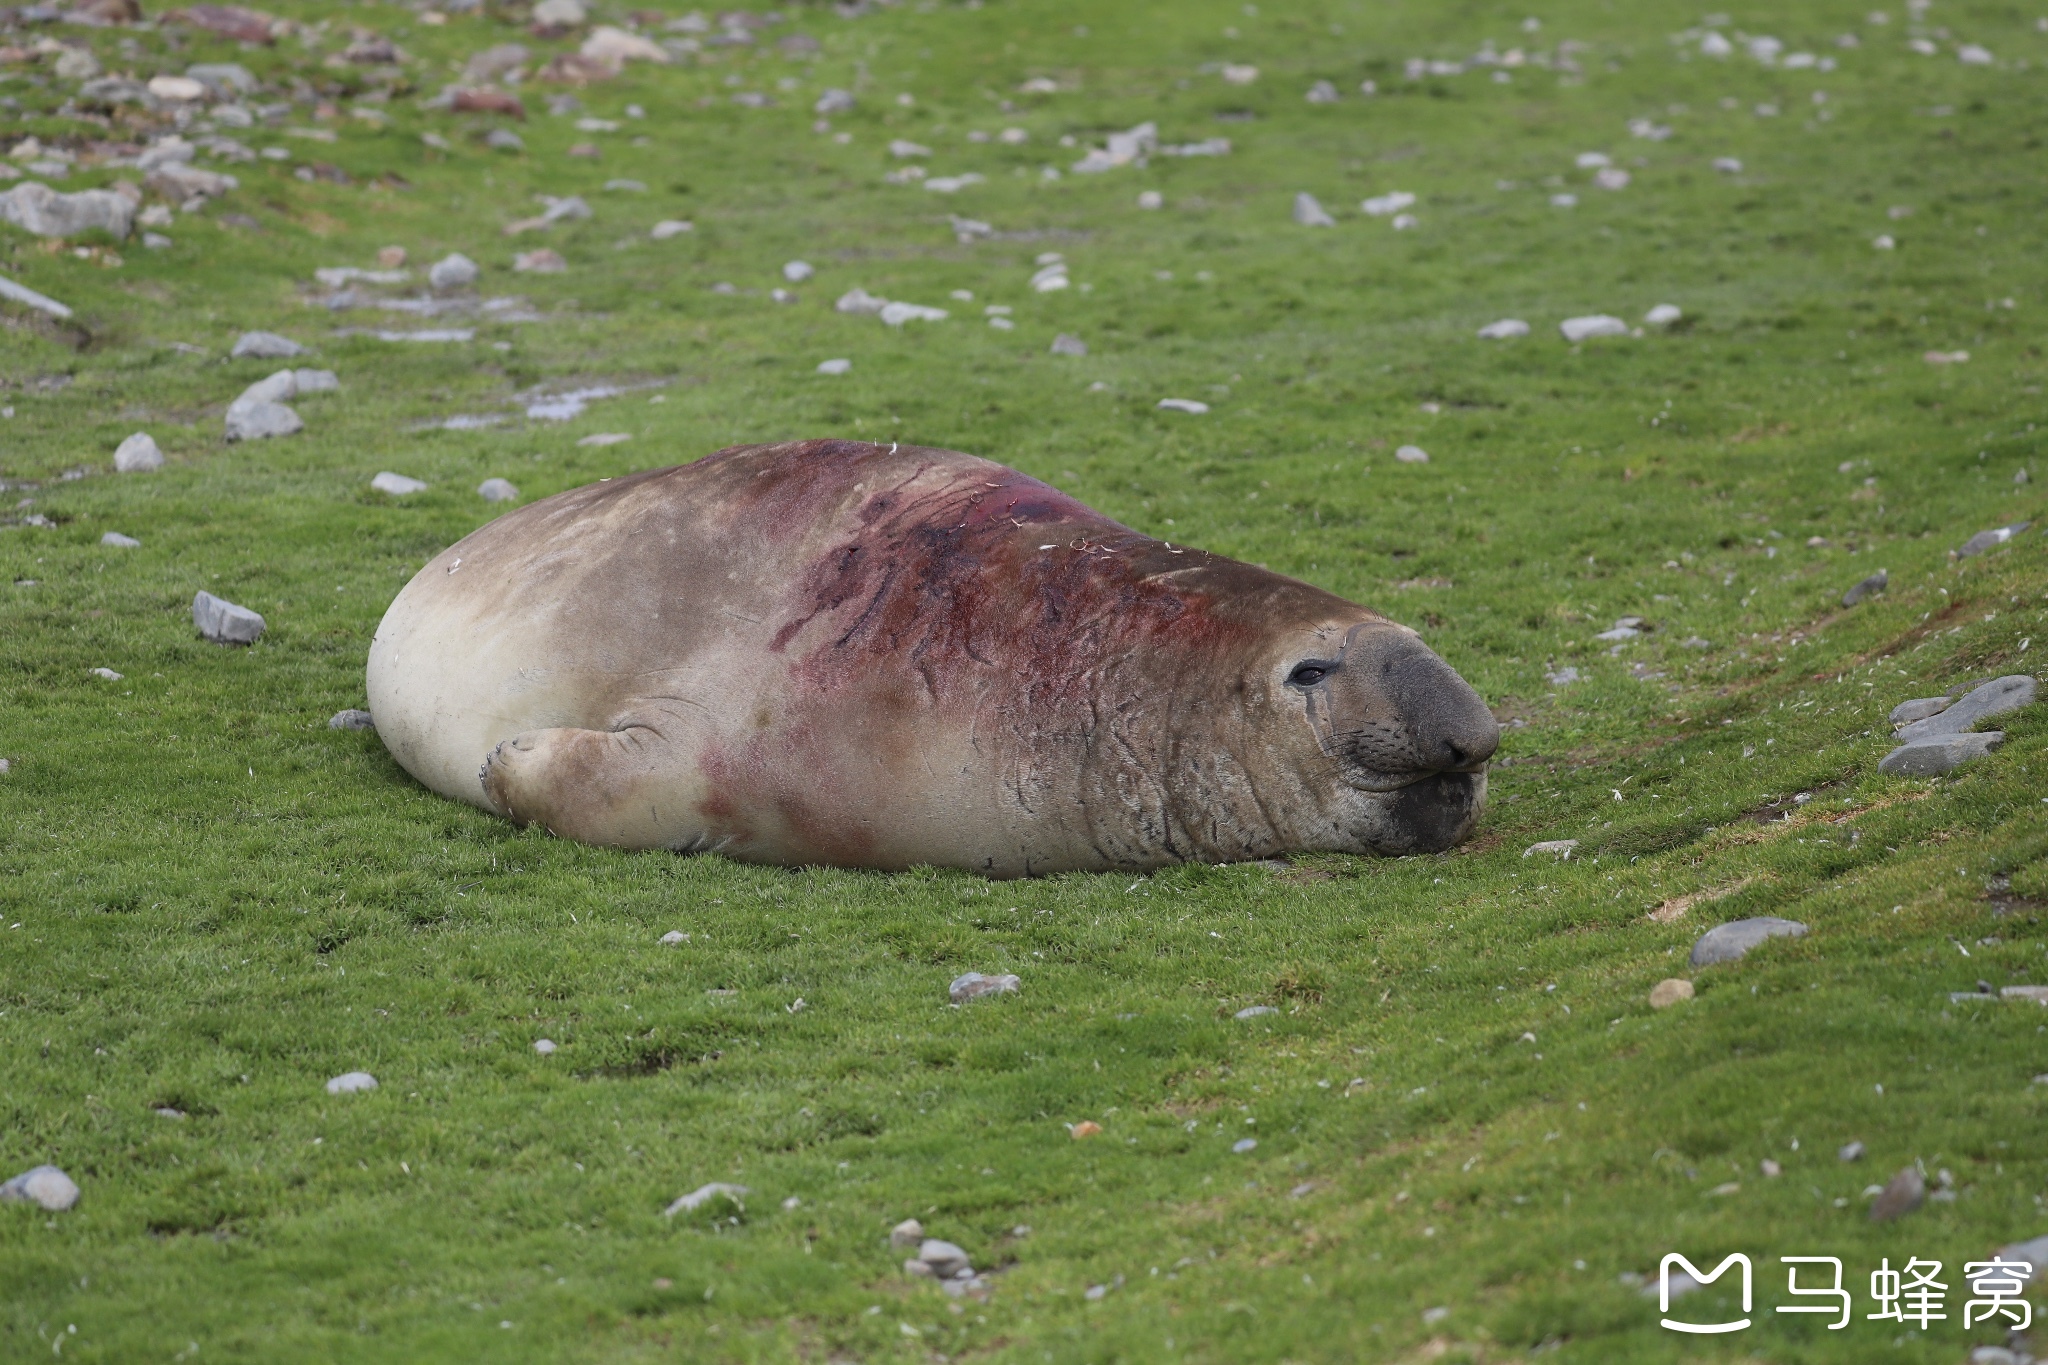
(617, 787)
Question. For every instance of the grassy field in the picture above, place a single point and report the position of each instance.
(213, 902)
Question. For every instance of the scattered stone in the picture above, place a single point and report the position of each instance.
(1151, 199)
(351, 719)
(544, 1046)
(1663, 315)
(906, 1235)
(265, 346)
(1386, 205)
(674, 937)
(1322, 92)
(669, 227)
(1771, 1170)
(352, 1083)
(42, 303)
(1254, 1012)
(895, 314)
(1504, 330)
(1592, 325)
(497, 490)
(253, 419)
(973, 985)
(1920, 708)
(495, 62)
(614, 47)
(1611, 178)
(2037, 994)
(106, 673)
(1730, 942)
(796, 272)
(944, 1259)
(1561, 847)
(2034, 1253)
(1728, 165)
(545, 261)
(1086, 1128)
(398, 485)
(704, 1194)
(223, 622)
(1947, 357)
(1562, 677)
(834, 101)
(839, 365)
(36, 208)
(605, 438)
(1309, 213)
(1999, 697)
(1852, 1151)
(138, 455)
(559, 14)
(1191, 405)
(1669, 992)
(453, 271)
(119, 541)
(1906, 1192)
(1933, 757)
(1868, 587)
(1411, 455)
(1065, 344)
(44, 1186)
(1243, 1145)
(1989, 540)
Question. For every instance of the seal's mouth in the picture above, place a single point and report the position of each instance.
(1435, 812)
(1372, 780)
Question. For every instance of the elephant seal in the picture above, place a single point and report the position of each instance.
(832, 652)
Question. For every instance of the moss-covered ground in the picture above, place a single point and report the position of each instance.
(213, 902)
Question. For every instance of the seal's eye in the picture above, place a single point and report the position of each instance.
(1309, 674)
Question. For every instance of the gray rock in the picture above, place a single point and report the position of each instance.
(544, 1046)
(34, 207)
(497, 490)
(1868, 587)
(119, 541)
(453, 271)
(223, 76)
(704, 1194)
(559, 13)
(504, 140)
(265, 346)
(796, 272)
(973, 985)
(352, 1083)
(834, 102)
(1989, 540)
(2034, 1253)
(1592, 325)
(674, 938)
(351, 719)
(75, 64)
(945, 1259)
(1729, 942)
(1998, 697)
(138, 455)
(44, 1186)
(272, 388)
(398, 485)
(182, 182)
(906, 1235)
(253, 421)
(1064, 344)
(1254, 1012)
(1919, 708)
(1308, 212)
(1905, 1193)
(110, 92)
(493, 62)
(223, 622)
(1933, 757)
(315, 381)
(22, 294)
(1851, 1152)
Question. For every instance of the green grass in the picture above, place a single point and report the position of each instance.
(221, 902)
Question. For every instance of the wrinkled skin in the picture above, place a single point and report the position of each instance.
(830, 652)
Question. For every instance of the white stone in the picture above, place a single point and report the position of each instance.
(1593, 161)
(1592, 325)
(265, 346)
(1243, 1145)
(860, 302)
(398, 485)
(1065, 344)
(1611, 178)
(796, 272)
(138, 455)
(351, 1083)
(118, 541)
(1151, 199)
(351, 719)
(973, 985)
(180, 89)
(1505, 329)
(837, 365)
(896, 314)
(544, 1046)
(945, 1259)
(902, 148)
(1193, 405)
(1728, 165)
(906, 1235)
(616, 46)
(605, 438)
(1254, 1012)
(834, 102)
(1969, 54)
(1562, 848)
(1411, 455)
(674, 937)
(1309, 213)
(1386, 205)
(1322, 92)
(224, 623)
(497, 490)
(255, 420)
(1235, 74)
(559, 13)
(315, 381)
(1663, 315)
(669, 227)
(1564, 201)
(44, 1186)
(36, 208)
(107, 674)
(453, 271)
(1714, 45)
(953, 184)
(704, 1194)
(1883, 242)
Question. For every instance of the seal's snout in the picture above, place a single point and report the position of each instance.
(1448, 725)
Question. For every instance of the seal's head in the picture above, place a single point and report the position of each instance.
(1401, 739)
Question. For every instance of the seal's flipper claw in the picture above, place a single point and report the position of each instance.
(590, 785)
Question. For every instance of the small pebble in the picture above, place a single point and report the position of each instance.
(1086, 1128)
(605, 438)
(1504, 330)
(945, 1259)
(1411, 455)
(453, 271)
(1591, 326)
(351, 719)
(1243, 1145)
(704, 1194)
(1254, 1012)
(1669, 992)
(1431, 1317)
(265, 346)
(1771, 1169)
(396, 484)
(544, 1046)
(138, 454)
(1663, 315)
(1866, 588)
(669, 227)
(1730, 942)
(541, 261)
(1852, 1151)
(1906, 1192)
(44, 1186)
(675, 936)
(1191, 405)
(796, 272)
(1561, 847)
(1151, 199)
(351, 1083)
(119, 541)
(1065, 344)
(497, 490)
(906, 1235)
(224, 623)
(837, 365)
(107, 673)
(973, 985)
(1309, 213)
